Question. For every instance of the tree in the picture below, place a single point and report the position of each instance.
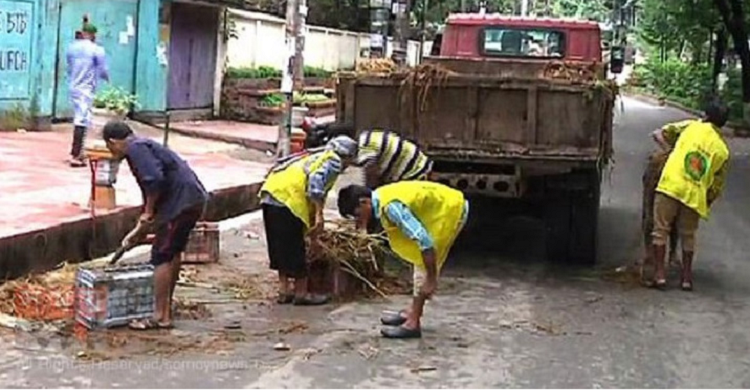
(733, 15)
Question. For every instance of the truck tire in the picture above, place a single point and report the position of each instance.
(572, 224)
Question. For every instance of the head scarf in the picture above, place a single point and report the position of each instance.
(89, 28)
(344, 146)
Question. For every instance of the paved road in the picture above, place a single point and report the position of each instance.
(502, 319)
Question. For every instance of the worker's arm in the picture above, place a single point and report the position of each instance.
(100, 59)
(667, 136)
(319, 180)
(400, 215)
(150, 174)
(717, 187)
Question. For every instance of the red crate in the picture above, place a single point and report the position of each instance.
(203, 245)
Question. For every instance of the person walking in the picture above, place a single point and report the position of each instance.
(87, 64)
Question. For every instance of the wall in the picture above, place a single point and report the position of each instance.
(21, 57)
(151, 59)
(260, 42)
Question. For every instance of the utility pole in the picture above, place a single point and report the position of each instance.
(292, 69)
(401, 30)
(524, 7)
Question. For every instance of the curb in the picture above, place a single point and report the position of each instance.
(732, 129)
(263, 146)
(83, 238)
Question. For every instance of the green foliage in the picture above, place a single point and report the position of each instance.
(675, 80)
(116, 99)
(732, 94)
(14, 118)
(272, 100)
(301, 99)
(267, 72)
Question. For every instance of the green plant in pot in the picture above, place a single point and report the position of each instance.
(112, 103)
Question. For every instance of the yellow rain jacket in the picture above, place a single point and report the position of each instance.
(289, 185)
(439, 208)
(696, 168)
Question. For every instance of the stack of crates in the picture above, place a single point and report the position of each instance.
(114, 296)
(203, 245)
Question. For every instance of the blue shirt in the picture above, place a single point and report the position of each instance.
(318, 181)
(161, 171)
(400, 215)
(86, 64)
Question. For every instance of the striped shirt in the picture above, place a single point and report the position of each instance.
(397, 159)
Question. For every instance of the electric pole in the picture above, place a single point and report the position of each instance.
(401, 30)
(524, 7)
(293, 68)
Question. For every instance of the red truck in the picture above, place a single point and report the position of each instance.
(522, 114)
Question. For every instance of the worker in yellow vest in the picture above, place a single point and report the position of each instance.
(692, 179)
(422, 220)
(292, 199)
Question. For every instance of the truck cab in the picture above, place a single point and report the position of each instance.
(500, 36)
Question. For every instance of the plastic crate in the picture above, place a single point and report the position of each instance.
(114, 296)
(203, 245)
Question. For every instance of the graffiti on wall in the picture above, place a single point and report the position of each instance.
(15, 48)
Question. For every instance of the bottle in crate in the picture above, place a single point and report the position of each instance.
(114, 296)
(203, 244)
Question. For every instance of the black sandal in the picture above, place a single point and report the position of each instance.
(149, 324)
(686, 286)
(393, 319)
(660, 284)
(285, 299)
(401, 333)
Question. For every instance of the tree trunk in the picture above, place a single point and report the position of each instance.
(721, 50)
(733, 16)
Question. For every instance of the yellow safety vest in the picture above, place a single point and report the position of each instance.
(700, 151)
(289, 185)
(439, 208)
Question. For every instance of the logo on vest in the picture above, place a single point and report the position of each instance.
(696, 165)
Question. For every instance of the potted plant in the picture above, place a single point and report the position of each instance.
(112, 103)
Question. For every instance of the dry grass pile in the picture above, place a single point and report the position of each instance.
(360, 254)
(420, 80)
(377, 65)
(46, 296)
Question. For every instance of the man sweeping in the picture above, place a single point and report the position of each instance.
(293, 198)
(174, 200)
(86, 65)
(692, 180)
(422, 220)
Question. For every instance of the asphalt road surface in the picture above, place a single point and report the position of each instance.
(505, 318)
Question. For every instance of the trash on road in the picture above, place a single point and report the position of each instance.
(282, 346)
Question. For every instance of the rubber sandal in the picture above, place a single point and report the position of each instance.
(660, 284)
(401, 333)
(311, 300)
(149, 324)
(686, 286)
(393, 319)
(285, 299)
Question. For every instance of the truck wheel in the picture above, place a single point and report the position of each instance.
(584, 224)
(572, 225)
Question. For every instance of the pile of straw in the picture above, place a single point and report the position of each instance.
(377, 65)
(421, 79)
(360, 254)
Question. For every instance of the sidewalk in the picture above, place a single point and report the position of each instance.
(249, 135)
(44, 218)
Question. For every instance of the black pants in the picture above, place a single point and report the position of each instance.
(285, 237)
(79, 134)
(172, 237)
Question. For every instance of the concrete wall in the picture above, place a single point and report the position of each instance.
(152, 61)
(260, 42)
